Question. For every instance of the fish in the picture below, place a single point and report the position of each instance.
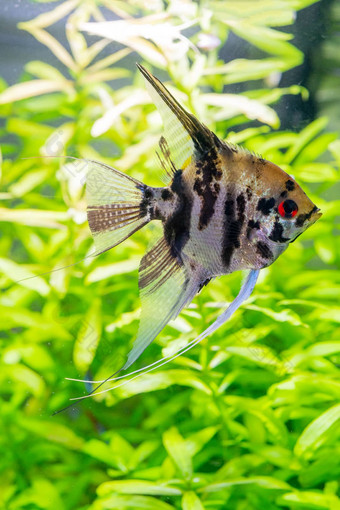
(222, 209)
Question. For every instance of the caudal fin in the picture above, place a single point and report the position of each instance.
(114, 209)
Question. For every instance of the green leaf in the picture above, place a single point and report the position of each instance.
(309, 500)
(240, 70)
(30, 89)
(112, 456)
(0, 164)
(265, 482)
(283, 316)
(317, 432)
(232, 105)
(28, 182)
(324, 349)
(334, 147)
(19, 274)
(34, 218)
(51, 42)
(267, 39)
(304, 138)
(88, 338)
(138, 487)
(195, 442)
(160, 380)
(332, 315)
(55, 432)
(261, 355)
(44, 71)
(42, 494)
(25, 128)
(178, 451)
(326, 467)
(316, 172)
(52, 16)
(116, 502)
(23, 376)
(108, 270)
(191, 501)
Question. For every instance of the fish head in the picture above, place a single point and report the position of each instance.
(282, 212)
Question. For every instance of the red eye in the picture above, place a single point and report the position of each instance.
(288, 209)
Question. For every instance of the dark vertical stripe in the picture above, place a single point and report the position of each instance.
(177, 226)
(265, 205)
(234, 216)
(276, 234)
(206, 186)
(264, 250)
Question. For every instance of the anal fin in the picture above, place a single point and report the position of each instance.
(166, 284)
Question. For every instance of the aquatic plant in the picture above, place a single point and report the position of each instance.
(249, 419)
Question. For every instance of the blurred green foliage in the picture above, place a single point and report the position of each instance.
(250, 418)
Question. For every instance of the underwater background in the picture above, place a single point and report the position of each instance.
(247, 420)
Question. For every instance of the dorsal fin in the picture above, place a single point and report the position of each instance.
(184, 136)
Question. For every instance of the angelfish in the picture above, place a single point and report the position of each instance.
(223, 209)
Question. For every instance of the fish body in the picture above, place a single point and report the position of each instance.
(223, 209)
(228, 211)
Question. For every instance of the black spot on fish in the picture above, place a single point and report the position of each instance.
(290, 185)
(252, 225)
(206, 187)
(276, 233)
(300, 220)
(156, 213)
(229, 207)
(143, 209)
(241, 204)
(264, 250)
(217, 187)
(266, 205)
(232, 227)
(177, 226)
(146, 201)
(177, 182)
(166, 194)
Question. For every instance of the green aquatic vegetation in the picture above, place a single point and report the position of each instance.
(250, 418)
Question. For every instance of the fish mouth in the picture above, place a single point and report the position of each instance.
(308, 218)
(317, 214)
(314, 216)
(311, 218)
